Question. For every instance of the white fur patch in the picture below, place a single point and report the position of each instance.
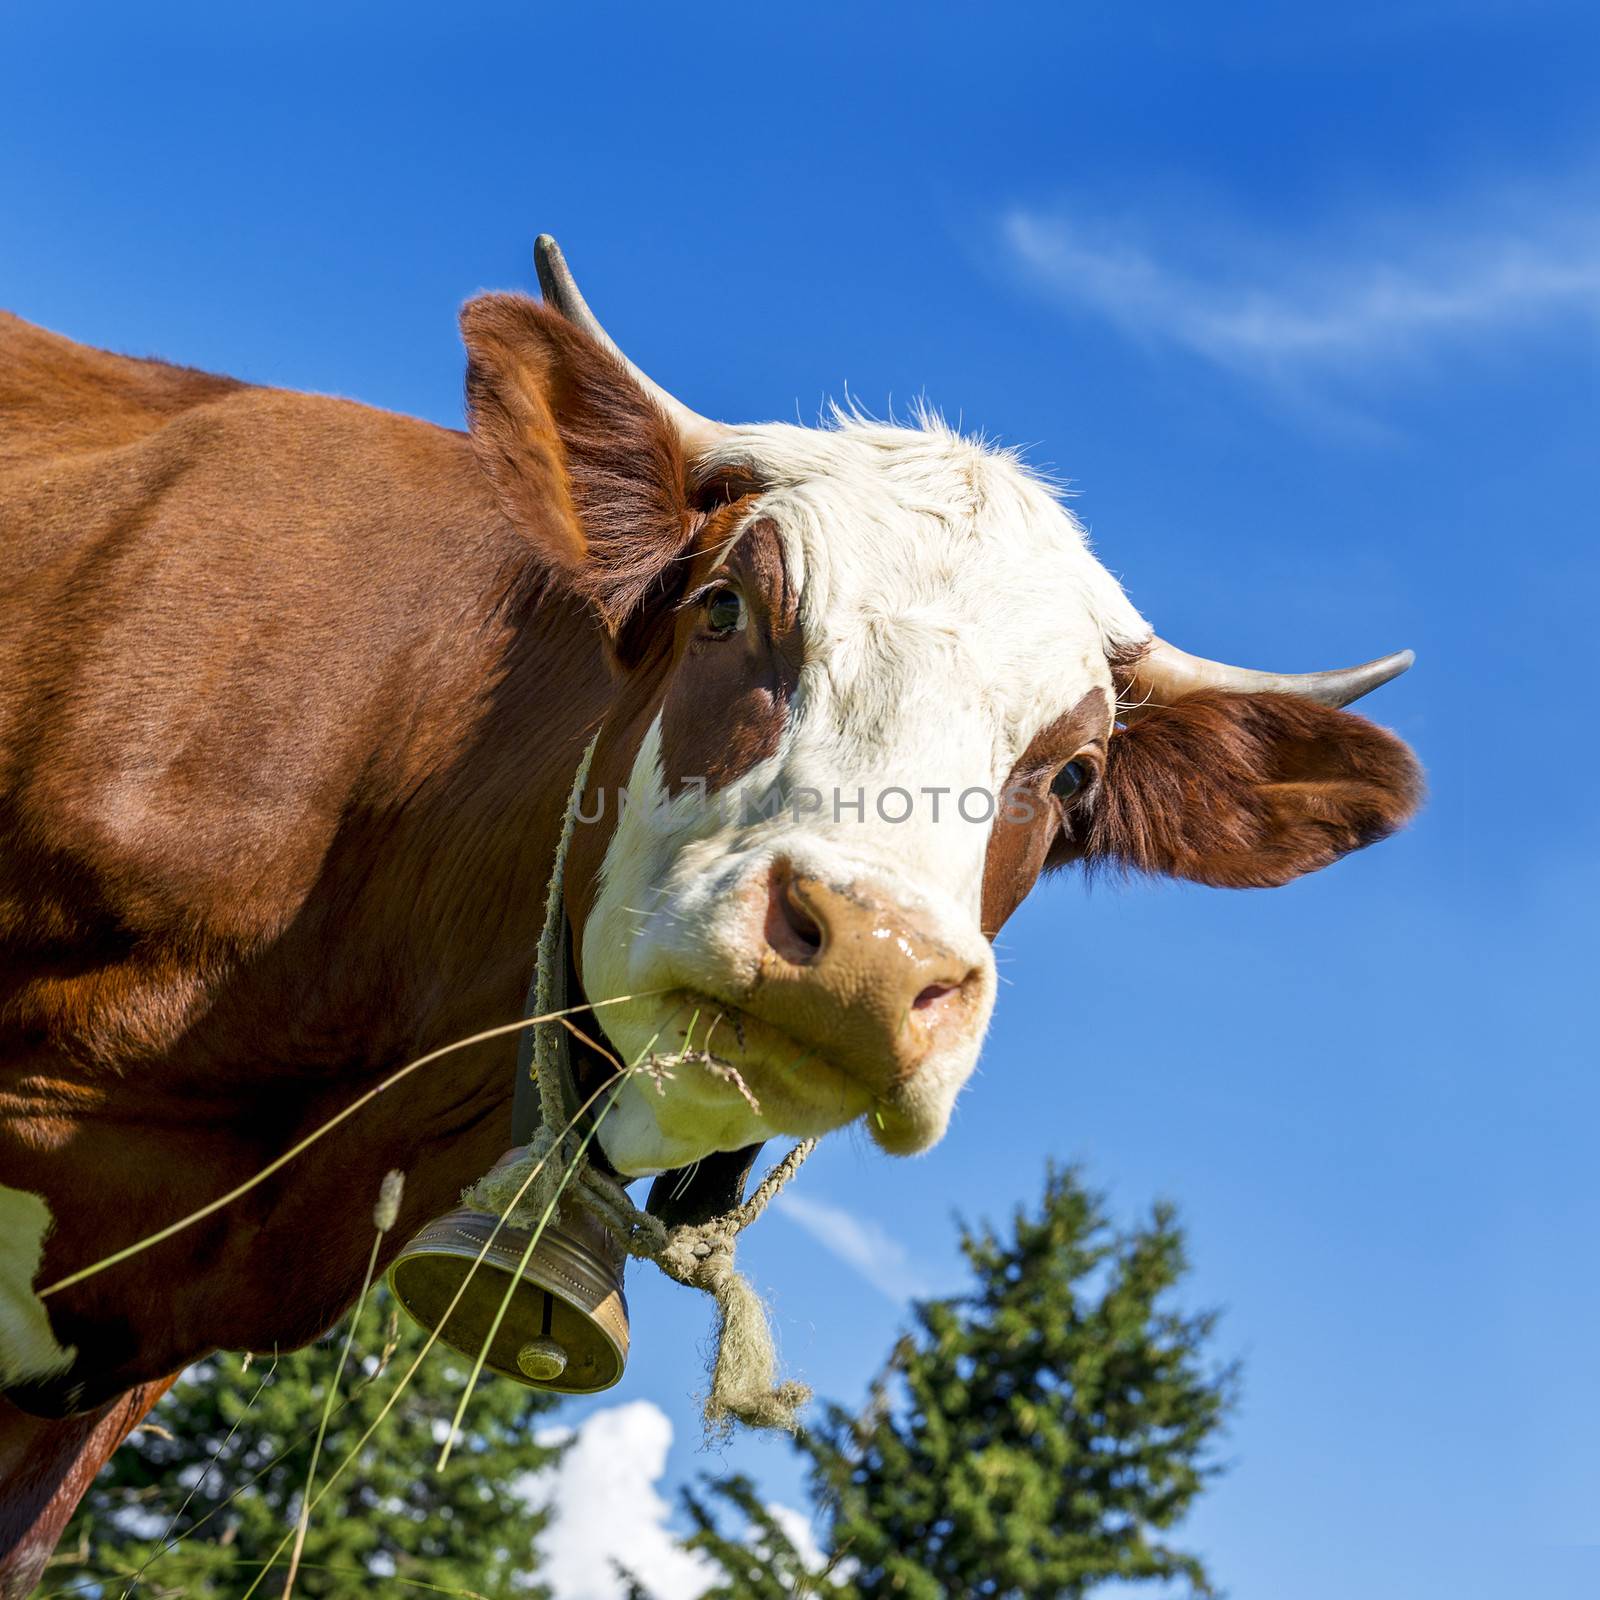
(950, 609)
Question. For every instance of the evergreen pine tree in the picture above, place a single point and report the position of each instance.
(758, 1560)
(224, 1469)
(1030, 1439)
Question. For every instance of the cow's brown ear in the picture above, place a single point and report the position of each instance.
(1246, 791)
(583, 462)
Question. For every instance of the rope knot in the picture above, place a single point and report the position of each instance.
(522, 1186)
(743, 1372)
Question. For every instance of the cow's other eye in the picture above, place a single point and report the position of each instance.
(1069, 780)
(724, 610)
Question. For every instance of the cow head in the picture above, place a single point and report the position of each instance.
(871, 682)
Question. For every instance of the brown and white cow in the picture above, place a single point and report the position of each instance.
(292, 692)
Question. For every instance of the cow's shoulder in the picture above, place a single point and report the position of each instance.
(65, 405)
(222, 635)
(60, 397)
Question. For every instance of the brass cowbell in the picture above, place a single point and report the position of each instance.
(566, 1326)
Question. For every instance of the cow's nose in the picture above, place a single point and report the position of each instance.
(859, 978)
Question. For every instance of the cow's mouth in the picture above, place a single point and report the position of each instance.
(792, 1086)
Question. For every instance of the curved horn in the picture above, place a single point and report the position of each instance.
(1165, 673)
(556, 283)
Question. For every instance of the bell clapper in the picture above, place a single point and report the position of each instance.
(543, 1359)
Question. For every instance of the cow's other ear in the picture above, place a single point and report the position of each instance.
(1245, 791)
(581, 459)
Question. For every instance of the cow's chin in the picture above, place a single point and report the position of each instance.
(737, 1081)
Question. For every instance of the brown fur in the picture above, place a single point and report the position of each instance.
(748, 679)
(288, 714)
(1244, 791)
(548, 411)
(1029, 819)
(46, 1467)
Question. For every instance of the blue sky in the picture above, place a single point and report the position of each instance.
(1305, 305)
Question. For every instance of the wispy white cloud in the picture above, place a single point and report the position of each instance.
(1346, 301)
(877, 1255)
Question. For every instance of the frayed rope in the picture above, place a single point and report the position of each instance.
(744, 1385)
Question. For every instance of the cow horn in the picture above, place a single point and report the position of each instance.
(561, 291)
(1165, 673)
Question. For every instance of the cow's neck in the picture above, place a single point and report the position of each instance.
(45, 1468)
(421, 930)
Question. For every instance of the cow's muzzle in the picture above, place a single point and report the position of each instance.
(862, 980)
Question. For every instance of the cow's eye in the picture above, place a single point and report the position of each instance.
(724, 610)
(1069, 780)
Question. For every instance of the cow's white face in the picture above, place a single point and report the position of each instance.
(927, 635)
(837, 650)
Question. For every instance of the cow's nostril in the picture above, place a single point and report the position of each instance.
(791, 929)
(933, 993)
